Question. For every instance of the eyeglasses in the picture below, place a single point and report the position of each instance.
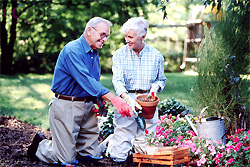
(102, 35)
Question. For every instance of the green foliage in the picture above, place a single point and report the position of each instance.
(175, 131)
(224, 55)
(107, 127)
(44, 27)
(170, 106)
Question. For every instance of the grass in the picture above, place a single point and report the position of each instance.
(27, 96)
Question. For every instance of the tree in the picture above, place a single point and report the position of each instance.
(43, 27)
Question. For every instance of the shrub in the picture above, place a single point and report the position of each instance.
(170, 106)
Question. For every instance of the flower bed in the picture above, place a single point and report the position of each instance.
(175, 131)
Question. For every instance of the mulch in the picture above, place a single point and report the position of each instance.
(16, 137)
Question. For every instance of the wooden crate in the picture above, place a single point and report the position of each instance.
(174, 157)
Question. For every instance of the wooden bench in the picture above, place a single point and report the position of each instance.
(174, 157)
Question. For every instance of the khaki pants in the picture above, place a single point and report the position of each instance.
(74, 130)
(127, 133)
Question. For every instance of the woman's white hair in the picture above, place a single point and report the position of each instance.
(139, 24)
(94, 21)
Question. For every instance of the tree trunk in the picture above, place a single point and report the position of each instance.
(8, 49)
(4, 45)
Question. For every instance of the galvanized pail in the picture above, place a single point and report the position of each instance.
(212, 128)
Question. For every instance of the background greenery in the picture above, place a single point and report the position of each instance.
(33, 33)
(27, 96)
(44, 27)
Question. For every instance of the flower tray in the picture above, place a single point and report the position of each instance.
(173, 157)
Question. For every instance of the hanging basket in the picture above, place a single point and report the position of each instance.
(148, 107)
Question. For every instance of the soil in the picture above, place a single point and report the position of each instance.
(16, 137)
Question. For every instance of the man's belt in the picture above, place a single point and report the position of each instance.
(138, 91)
(73, 98)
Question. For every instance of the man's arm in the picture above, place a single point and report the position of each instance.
(120, 105)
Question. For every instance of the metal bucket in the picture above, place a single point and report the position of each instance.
(214, 129)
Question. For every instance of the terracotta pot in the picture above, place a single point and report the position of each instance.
(148, 108)
(151, 149)
(167, 148)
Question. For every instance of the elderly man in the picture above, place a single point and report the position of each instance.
(76, 84)
(137, 69)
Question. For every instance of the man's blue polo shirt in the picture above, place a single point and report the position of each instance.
(77, 71)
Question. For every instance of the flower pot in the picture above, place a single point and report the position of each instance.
(149, 107)
(151, 149)
(167, 148)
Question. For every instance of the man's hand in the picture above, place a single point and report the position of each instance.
(122, 107)
(132, 103)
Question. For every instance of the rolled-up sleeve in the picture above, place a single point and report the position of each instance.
(118, 79)
(161, 79)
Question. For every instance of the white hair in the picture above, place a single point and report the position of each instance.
(94, 21)
(139, 24)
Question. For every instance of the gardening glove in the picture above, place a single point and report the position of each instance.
(132, 103)
(154, 88)
(122, 107)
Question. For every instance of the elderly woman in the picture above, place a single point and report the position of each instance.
(137, 69)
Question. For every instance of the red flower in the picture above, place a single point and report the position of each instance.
(239, 130)
(146, 131)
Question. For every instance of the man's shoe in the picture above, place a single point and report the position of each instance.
(34, 145)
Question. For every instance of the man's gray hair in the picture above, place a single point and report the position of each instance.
(139, 24)
(94, 21)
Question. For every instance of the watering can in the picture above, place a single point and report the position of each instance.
(211, 127)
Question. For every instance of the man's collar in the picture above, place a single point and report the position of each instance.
(86, 46)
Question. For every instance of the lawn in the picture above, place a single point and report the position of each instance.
(27, 96)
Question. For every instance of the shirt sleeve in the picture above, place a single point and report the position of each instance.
(77, 67)
(118, 80)
(161, 79)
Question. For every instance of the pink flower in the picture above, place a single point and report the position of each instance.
(246, 148)
(203, 159)
(172, 139)
(248, 132)
(192, 146)
(192, 132)
(180, 137)
(198, 150)
(249, 159)
(208, 142)
(245, 137)
(217, 158)
(165, 143)
(146, 131)
(199, 163)
(219, 155)
(228, 148)
(230, 160)
(237, 147)
(236, 139)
